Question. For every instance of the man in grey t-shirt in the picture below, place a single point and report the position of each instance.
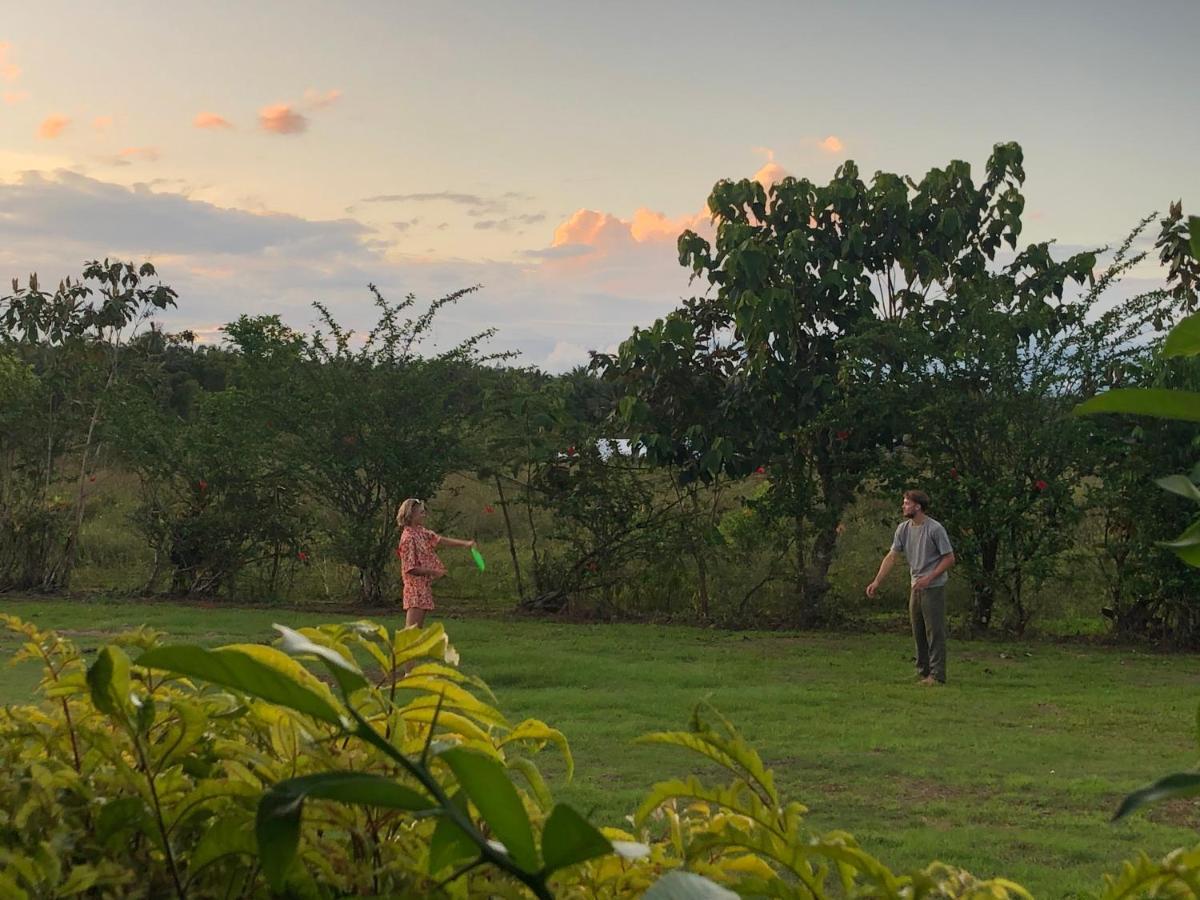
(926, 546)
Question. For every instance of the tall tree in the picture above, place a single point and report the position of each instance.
(801, 342)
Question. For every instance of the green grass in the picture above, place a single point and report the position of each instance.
(1012, 769)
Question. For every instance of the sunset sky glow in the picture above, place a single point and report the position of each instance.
(267, 155)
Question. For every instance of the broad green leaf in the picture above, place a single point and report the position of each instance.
(277, 824)
(223, 837)
(447, 722)
(568, 838)
(183, 733)
(359, 788)
(277, 832)
(535, 730)
(220, 788)
(1187, 545)
(731, 752)
(262, 672)
(1181, 784)
(533, 775)
(1194, 235)
(1184, 339)
(449, 843)
(485, 781)
(82, 878)
(452, 696)
(1161, 403)
(431, 642)
(680, 885)
(440, 670)
(347, 673)
(738, 798)
(1181, 485)
(108, 680)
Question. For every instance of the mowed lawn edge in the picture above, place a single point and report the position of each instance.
(1012, 769)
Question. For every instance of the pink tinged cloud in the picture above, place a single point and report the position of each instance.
(832, 144)
(770, 173)
(12, 98)
(280, 118)
(211, 121)
(145, 154)
(52, 127)
(591, 228)
(315, 99)
(9, 71)
(102, 123)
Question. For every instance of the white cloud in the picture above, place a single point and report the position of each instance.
(565, 356)
(552, 306)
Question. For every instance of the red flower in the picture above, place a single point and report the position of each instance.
(954, 473)
(489, 509)
(202, 485)
(1040, 485)
(302, 556)
(761, 470)
(843, 435)
(93, 478)
(571, 451)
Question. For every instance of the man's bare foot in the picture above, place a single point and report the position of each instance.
(928, 679)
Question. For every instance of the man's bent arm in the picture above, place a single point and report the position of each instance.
(886, 566)
(942, 565)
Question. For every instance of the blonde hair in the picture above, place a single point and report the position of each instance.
(404, 513)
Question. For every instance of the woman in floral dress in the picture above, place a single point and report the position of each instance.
(419, 563)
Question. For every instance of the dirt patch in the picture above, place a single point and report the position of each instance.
(1180, 813)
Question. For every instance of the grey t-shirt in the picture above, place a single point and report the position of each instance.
(923, 546)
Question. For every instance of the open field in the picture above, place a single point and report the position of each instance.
(1012, 769)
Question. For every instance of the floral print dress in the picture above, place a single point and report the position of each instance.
(417, 551)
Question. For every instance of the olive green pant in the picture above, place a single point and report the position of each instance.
(927, 613)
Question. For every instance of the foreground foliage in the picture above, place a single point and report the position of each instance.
(237, 772)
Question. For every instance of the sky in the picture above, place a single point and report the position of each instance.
(267, 155)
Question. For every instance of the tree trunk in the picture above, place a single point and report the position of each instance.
(512, 544)
(983, 586)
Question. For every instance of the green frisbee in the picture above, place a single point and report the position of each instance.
(478, 558)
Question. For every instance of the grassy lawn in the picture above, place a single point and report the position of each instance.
(1011, 769)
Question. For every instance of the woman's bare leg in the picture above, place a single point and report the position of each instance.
(413, 617)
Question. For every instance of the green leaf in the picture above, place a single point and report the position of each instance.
(536, 730)
(1181, 485)
(222, 838)
(1159, 402)
(1181, 784)
(486, 783)
(1194, 235)
(1184, 339)
(449, 843)
(680, 885)
(359, 788)
(568, 838)
(277, 830)
(533, 776)
(347, 673)
(108, 681)
(262, 672)
(277, 824)
(1187, 545)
